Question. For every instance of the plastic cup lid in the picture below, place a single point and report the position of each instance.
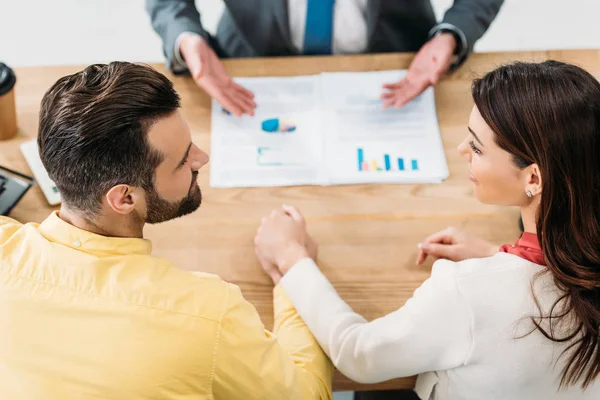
(7, 79)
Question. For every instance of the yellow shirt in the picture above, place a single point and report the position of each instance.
(84, 316)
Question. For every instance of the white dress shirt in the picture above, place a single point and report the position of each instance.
(460, 331)
(349, 25)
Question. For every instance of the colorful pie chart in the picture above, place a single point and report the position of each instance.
(276, 125)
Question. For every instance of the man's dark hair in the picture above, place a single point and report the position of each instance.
(93, 130)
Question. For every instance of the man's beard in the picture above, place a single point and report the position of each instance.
(161, 210)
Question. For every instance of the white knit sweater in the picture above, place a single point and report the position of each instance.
(460, 331)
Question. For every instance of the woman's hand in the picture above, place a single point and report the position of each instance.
(453, 244)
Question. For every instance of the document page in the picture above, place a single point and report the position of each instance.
(281, 145)
(365, 143)
(326, 129)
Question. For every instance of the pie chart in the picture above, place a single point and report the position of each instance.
(277, 125)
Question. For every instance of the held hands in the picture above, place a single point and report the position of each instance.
(454, 245)
(429, 64)
(208, 73)
(281, 241)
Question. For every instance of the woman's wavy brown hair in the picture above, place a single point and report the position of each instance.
(549, 114)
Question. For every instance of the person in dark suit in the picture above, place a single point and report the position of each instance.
(263, 28)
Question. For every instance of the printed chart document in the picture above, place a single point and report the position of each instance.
(326, 129)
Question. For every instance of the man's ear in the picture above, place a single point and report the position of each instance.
(123, 198)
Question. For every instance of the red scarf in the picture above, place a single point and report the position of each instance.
(527, 247)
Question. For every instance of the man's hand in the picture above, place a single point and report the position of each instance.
(282, 241)
(429, 64)
(208, 73)
(455, 245)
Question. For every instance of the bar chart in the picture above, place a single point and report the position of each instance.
(385, 163)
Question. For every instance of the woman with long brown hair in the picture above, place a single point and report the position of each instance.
(517, 322)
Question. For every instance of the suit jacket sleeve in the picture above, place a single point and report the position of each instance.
(170, 18)
(472, 17)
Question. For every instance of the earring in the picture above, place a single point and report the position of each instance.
(528, 193)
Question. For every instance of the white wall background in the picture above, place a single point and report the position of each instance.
(45, 32)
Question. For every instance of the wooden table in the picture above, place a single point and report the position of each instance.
(368, 234)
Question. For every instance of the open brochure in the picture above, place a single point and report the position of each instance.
(326, 129)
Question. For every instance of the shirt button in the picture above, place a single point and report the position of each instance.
(77, 243)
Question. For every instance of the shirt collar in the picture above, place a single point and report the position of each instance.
(58, 231)
(527, 247)
(529, 240)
